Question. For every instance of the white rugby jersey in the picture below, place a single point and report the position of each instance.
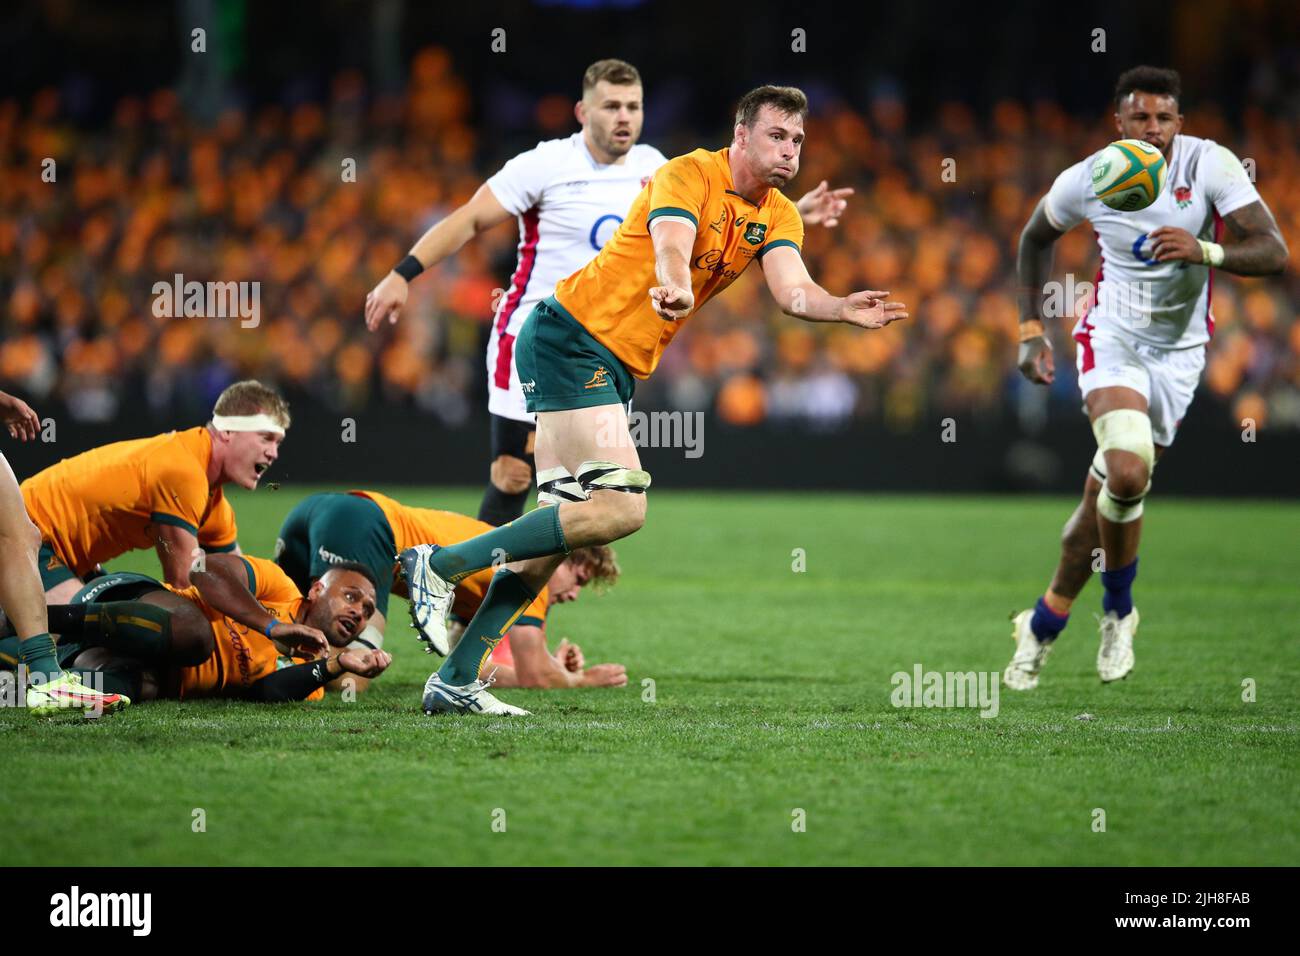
(1165, 304)
(568, 206)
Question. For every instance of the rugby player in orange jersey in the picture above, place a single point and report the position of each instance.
(700, 221)
(242, 629)
(163, 492)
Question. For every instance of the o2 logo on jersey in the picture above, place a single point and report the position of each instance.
(604, 227)
(1143, 250)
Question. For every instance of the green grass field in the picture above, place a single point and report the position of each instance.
(771, 693)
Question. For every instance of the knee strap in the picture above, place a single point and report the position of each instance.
(611, 476)
(556, 485)
(1125, 429)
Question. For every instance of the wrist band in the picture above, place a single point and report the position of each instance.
(1211, 253)
(1031, 329)
(267, 630)
(409, 268)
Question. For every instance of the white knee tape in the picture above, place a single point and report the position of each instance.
(611, 476)
(1120, 510)
(556, 485)
(1125, 429)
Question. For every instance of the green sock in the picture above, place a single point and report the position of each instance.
(132, 628)
(507, 597)
(533, 535)
(36, 653)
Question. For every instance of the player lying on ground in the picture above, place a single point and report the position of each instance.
(163, 492)
(48, 687)
(568, 195)
(1141, 347)
(242, 629)
(368, 528)
(703, 218)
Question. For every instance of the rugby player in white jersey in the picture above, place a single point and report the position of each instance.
(1140, 347)
(569, 195)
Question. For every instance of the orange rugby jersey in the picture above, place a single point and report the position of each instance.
(610, 295)
(102, 503)
(412, 526)
(243, 656)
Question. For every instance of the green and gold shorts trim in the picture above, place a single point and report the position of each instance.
(53, 570)
(562, 366)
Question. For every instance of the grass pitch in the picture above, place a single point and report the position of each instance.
(771, 695)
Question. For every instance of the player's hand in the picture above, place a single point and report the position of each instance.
(605, 675)
(824, 205)
(570, 656)
(672, 302)
(869, 310)
(365, 663)
(1171, 244)
(1035, 360)
(300, 635)
(24, 424)
(386, 301)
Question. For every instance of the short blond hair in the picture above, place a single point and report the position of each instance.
(601, 561)
(251, 397)
(618, 72)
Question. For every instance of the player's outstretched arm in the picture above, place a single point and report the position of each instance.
(1257, 249)
(223, 586)
(443, 239)
(302, 680)
(1033, 266)
(176, 547)
(673, 297)
(798, 295)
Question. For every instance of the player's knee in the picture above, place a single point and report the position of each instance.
(622, 512)
(511, 475)
(1127, 476)
(192, 642)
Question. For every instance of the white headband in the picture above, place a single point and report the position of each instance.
(261, 422)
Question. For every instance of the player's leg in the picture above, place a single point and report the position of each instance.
(23, 599)
(510, 477)
(567, 443)
(1126, 456)
(155, 626)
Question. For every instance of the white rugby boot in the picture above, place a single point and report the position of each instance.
(473, 698)
(1115, 656)
(430, 597)
(1031, 654)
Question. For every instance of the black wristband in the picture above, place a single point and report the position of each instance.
(409, 268)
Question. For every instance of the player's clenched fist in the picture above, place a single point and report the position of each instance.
(386, 300)
(870, 310)
(367, 663)
(1035, 360)
(300, 635)
(672, 302)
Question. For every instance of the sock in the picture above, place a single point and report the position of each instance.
(36, 653)
(500, 507)
(1119, 589)
(132, 628)
(1046, 623)
(507, 598)
(534, 535)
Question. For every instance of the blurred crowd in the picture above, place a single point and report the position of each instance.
(319, 200)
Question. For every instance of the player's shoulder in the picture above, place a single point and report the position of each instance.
(645, 155)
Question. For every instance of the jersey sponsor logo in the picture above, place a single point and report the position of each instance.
(596, 239)
(329, 557)
(755, 233)
(718, 223)
(1141, 250)
(599, 379)
(712, 261)
(740, 221)
(1183, 196)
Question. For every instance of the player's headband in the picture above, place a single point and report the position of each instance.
(261, 422)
